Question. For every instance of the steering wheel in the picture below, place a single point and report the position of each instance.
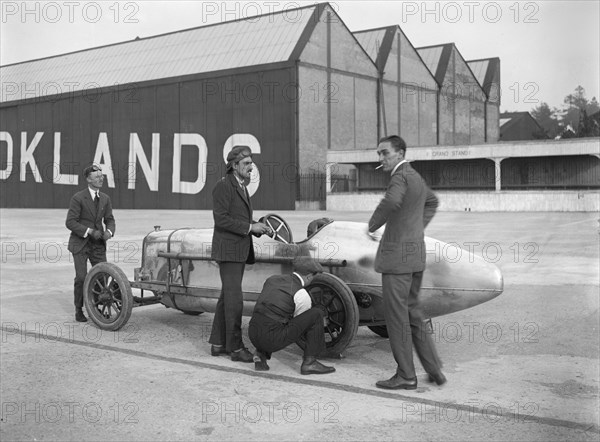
(281, 229)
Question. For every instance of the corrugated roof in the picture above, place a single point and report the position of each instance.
(431, 57)
(371, 41)
(479, 69)
(249, 42)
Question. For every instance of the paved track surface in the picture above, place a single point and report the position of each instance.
(523, 366)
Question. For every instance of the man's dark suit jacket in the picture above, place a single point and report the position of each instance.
(83, 214)
(406, 209)
(232, 213)
(276, 299)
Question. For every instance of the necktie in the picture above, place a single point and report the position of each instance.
(96, 199)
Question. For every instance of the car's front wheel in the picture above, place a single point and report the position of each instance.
(107, 296)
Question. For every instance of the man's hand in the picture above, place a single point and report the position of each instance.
(260, 229)
(106, 236)
(376, 235)
(96, 234)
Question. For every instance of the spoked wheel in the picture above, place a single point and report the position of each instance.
(107, 296)
(281, 229)
(334, 297)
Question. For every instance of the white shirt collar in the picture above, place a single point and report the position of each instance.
(93, 193)
(300, 278)
(398, 165)
(240, 182)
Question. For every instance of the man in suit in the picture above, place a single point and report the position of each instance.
(284, 314)
(232, 249)
(91, 222)
(406, 209)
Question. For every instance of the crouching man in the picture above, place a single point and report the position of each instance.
(283, 315)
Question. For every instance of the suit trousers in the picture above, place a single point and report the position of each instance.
(95, 252)
(405, 324)
(227, 323)
(269, 336)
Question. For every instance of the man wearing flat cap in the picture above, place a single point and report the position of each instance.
(232, 249)
(91, 222)
(284, 314)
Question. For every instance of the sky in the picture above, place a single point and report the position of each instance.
(546, 48)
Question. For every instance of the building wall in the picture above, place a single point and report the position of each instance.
(409, 96)
(337, 109)
(137, 135)
(462, 104)
(443, 174)
(482, 201)
(568, 172)
(492, 122)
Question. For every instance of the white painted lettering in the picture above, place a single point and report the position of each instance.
(197, 140)
(136, 152)
(27, 156)
(102, 158)
(5, 173)
(57, 177)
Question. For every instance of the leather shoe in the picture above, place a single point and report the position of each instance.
(397, 382)
(310, 365)
(437, 378)
(260, 361)
(242, 355)
(79, 316)
(218, 350)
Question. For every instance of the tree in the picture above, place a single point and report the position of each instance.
(593, 106)
(576, 119)
(576, 114)
(546, 118)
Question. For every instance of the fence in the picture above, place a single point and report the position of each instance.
(312, 187)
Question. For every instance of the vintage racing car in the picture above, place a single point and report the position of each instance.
(176, 271)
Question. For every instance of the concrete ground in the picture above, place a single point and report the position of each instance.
(524, 366)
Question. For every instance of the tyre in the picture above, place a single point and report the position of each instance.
(334, 297)
(107, 296)
(380, 330)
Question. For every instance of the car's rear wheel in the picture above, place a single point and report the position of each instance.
(107, 296)
(334, 297)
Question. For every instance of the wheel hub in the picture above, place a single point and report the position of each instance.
(105, 296)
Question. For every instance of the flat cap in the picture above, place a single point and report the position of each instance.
(237, 154)
(305, 265)
(91, 168)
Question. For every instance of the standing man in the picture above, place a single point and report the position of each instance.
(406, 209)
(284, 314)
(91, 222)
(232, 249)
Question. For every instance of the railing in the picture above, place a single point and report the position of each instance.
(311, 187)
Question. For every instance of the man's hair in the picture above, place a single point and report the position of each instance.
(91, 168)
(397, 142)
(237, 154)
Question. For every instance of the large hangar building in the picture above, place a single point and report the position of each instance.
(308, 96)
(160, 114)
